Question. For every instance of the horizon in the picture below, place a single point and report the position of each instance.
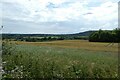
(58, 16)
(58, 33)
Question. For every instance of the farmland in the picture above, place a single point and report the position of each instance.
(61, 59)
(79, 44)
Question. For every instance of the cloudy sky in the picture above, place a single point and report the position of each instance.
(58, 16)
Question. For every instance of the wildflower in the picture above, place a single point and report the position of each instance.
(4, 62)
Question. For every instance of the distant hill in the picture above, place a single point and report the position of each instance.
(86, 33)
(47, 37)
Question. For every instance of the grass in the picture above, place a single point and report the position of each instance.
(61, 59)
(79, 44)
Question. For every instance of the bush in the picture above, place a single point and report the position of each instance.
(7, 48)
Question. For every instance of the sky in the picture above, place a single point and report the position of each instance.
(58, 16)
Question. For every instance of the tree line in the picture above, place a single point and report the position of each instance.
(105, 36)
(49, 38)
(29, 39)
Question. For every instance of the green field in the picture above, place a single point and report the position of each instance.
(62, 59)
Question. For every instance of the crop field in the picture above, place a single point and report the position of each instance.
(62, 59)
(78, 44)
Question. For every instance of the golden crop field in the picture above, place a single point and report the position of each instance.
(79, 44)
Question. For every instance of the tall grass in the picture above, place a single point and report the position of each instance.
(28, 61)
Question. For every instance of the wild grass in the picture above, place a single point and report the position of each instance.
(79, 44)
(38, 61)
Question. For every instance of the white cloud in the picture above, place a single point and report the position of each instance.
(106, 11)
(39, 8)
(75, 15)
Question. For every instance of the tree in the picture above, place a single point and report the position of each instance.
(105, 36)
(94, 37)
(117, 32)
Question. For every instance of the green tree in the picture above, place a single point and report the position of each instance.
(105, 36)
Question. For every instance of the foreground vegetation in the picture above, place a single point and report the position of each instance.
(59, 60)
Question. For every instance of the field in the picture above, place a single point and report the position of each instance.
(78, 44)
(62, 59)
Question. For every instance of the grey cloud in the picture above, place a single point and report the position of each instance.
(51, 5)
(12, 10)
(88, 13)
(73, 26)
